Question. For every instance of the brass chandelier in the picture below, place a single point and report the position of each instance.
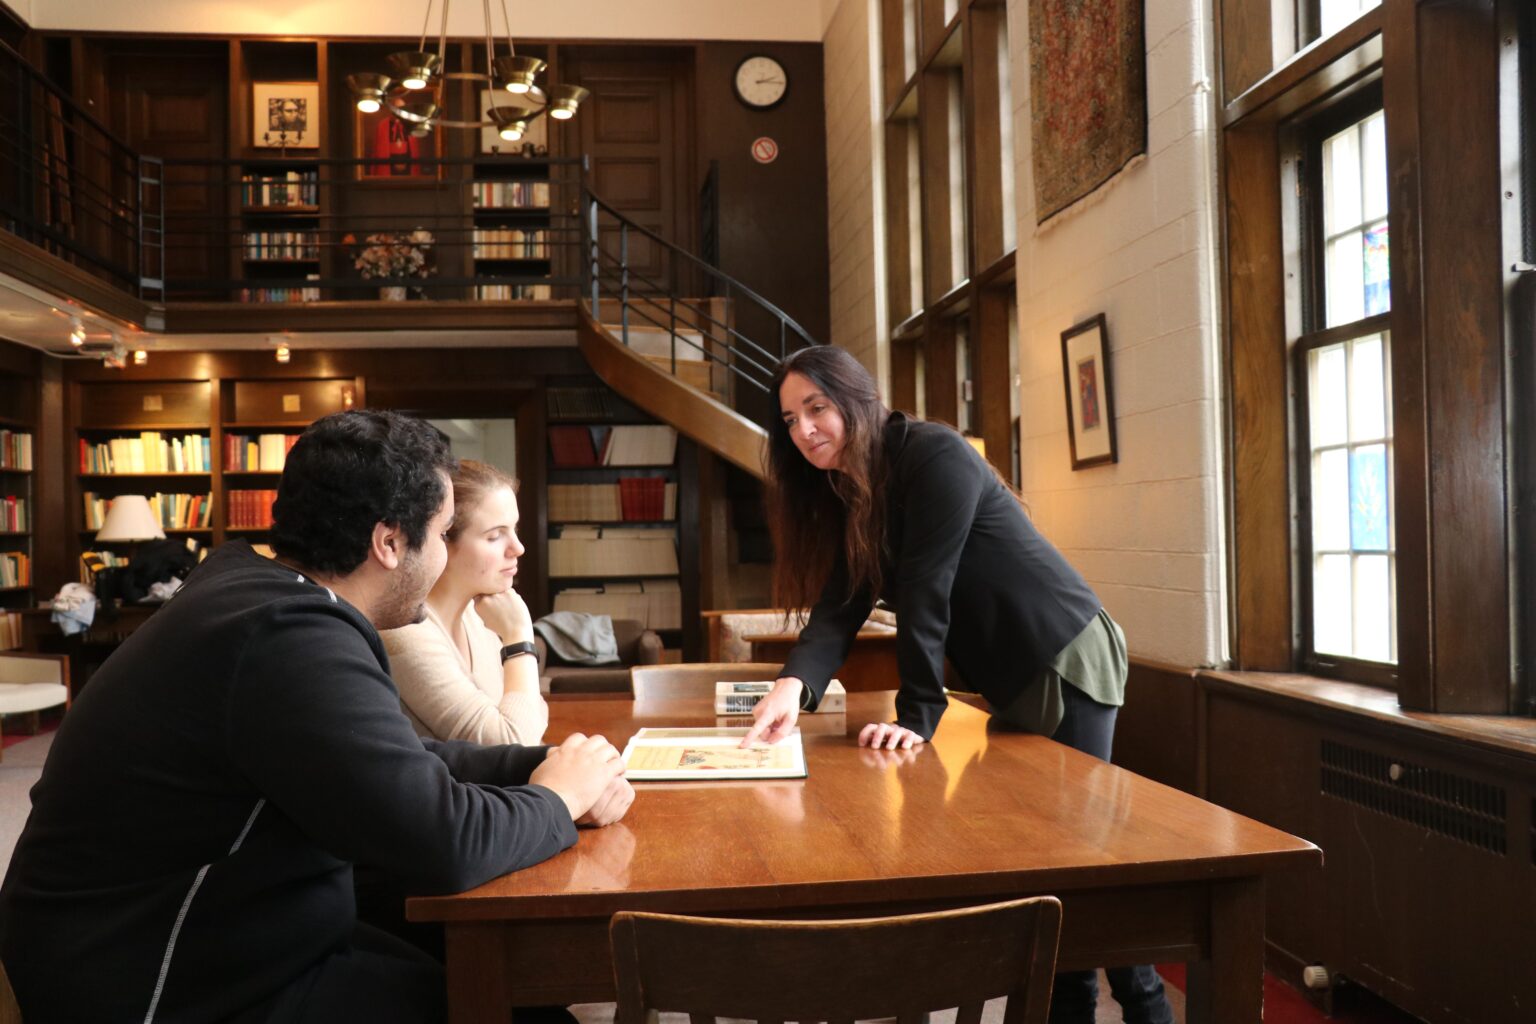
(413, 92)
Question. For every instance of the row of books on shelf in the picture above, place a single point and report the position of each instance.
(657, 604)
(519, 195)
(282, 245)
(13, 514)
(295, 188)
(15, 569)
(513, 292)
(150, 452)
(573, 446)
(281, 294)
(612, 551)
(15, 449)
(591, 403)
(261, 453)
(10, 631)
(171, 511)
(251, 510)
(637, 499)
(509, 244)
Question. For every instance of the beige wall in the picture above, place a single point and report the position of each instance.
(855, 231)
(1146, 532)
(787, 20)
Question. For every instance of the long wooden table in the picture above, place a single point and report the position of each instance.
(1146, 874)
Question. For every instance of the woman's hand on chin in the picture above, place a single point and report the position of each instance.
(506, 614)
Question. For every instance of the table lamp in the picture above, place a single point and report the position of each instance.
(129, 520)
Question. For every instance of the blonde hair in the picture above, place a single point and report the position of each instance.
(473, 482)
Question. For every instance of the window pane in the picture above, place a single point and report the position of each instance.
(1373, 154)
(1373, 609)
(1367, 391)
(1332, 618)
(1341, 181)
(1368, 498)
(1378, 293)
(1330, 500)
(1330, 397)
(1338, 13)
(1346, 280)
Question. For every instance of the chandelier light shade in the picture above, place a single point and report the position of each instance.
(413, 90)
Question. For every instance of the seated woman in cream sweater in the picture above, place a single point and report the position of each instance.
(468, 672)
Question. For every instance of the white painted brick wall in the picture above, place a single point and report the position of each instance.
(855, 186)
(1147, 531)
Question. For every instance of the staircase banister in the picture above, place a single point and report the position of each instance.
(736, 285)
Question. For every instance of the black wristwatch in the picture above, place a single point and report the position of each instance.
(513, 650)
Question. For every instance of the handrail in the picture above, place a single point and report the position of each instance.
(610, 275)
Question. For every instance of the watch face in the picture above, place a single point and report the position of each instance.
(761, 82)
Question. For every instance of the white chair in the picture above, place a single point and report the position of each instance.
(30, 683)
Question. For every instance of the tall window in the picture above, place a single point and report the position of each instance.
(1345, 415)
(1331, 15)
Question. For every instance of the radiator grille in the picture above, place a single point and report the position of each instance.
(1459, 808)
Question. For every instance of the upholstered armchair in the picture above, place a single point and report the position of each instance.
(637, 646)
(30, 683)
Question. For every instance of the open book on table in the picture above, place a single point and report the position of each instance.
(702, 754)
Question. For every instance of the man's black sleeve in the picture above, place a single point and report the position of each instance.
(315, 724)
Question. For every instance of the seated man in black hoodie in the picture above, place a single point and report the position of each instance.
(189, 856)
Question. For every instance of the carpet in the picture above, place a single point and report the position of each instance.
(1088, 96)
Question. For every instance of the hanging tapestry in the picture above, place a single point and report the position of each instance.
(1088, 96)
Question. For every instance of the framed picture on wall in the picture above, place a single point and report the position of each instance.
(395, 154)
(535, 142)
(1090, 408)
(285, 115)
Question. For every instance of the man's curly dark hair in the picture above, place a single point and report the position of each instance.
(350, 471)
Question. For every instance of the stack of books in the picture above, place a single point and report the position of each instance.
(15, 450)
(150, 452)
(10, 631)
(656, 604)
(13, 514)
(294, 188)
(15, 569)
(264, 453)
(648, 498)
(509, 244)
(516, 195)
(251, 510)
(585, 503)
(610, 551)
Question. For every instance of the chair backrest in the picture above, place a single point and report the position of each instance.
(17, 667)
(839, 971)
(10, 1013)
(663, 682)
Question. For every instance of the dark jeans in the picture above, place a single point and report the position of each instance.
(1089, 726)
(378, 978)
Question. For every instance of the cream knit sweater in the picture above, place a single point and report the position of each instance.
(447, 699)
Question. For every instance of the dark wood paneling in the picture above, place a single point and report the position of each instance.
(296, 402)
(1260, 444)
(992, 341)
(1441, 62)
(1247, 44)
(169, 100)
(172, 403)
(941, 380)
(1156, 729)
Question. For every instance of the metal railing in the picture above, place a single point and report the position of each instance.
(661, 292)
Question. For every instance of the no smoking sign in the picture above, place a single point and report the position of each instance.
(765, 150)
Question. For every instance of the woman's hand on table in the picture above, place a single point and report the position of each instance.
(506, 615)
(776, 713)
(888, 735)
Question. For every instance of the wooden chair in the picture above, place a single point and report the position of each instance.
(664, 682)
(30, 683)
(839, 971)
(10, 1013)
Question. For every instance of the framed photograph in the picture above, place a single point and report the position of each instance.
(402, 157)
(285, 115)
(534, 143)
(1090, 408)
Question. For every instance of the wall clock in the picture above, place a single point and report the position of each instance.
(761, 82)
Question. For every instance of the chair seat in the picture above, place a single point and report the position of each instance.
(19, 697)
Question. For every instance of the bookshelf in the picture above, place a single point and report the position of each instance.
(612, 508)
(512, 227)
(208, 453)
(18, 408)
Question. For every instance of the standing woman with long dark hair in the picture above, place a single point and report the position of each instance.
(868, 503)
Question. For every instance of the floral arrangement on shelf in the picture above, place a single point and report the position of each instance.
(394, 255)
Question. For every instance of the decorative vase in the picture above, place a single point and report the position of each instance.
(392, 293)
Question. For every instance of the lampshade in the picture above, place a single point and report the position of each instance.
(130, 519)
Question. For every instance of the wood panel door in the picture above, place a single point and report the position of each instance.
(174, 107)
(637, 130)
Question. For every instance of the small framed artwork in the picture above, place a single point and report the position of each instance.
(285, 115)
(396, 154)
(1090, 409)
(535, 142)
